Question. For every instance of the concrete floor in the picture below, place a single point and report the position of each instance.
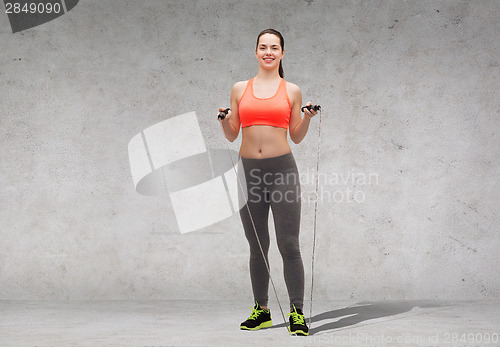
(189, 323)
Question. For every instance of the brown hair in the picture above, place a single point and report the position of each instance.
(282, 43)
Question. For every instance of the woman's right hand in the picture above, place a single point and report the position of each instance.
(228, 115)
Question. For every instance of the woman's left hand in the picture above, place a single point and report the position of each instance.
(309, 113)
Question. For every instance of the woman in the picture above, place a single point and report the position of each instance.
(264, 107)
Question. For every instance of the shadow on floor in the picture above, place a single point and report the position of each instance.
(361, 312)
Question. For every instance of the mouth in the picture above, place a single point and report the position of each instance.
(268, 59)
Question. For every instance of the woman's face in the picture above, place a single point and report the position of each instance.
(269, 52)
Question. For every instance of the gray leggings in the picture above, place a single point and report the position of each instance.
(273, 182)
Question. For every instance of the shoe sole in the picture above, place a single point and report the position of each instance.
(267, 324)
(299, 333)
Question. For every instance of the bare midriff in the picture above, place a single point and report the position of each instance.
(263, 141)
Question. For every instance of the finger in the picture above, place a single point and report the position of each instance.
(221, 110)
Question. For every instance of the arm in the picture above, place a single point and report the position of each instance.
(298, 125)
(231, 124)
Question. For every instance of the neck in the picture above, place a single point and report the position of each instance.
(268, 75)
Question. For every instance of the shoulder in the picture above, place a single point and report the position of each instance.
(292, 88)
(238, 89)
(240, 85)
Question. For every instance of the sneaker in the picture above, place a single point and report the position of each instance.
(297, 323)
(259, 319)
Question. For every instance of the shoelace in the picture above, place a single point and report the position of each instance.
(297, 318)
(255, 314)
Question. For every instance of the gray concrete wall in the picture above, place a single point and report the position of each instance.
(409, 147)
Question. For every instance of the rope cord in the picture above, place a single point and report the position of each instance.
(314, 225)
(256, 235)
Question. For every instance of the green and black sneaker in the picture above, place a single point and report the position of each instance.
(297, 323)
(258, 319)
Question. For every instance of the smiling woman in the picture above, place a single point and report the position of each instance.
(275, 48)
(264, 107)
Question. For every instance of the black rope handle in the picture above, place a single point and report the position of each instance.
(313, 107)
(223, 114)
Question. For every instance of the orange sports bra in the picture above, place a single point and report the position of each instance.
(274, 111)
